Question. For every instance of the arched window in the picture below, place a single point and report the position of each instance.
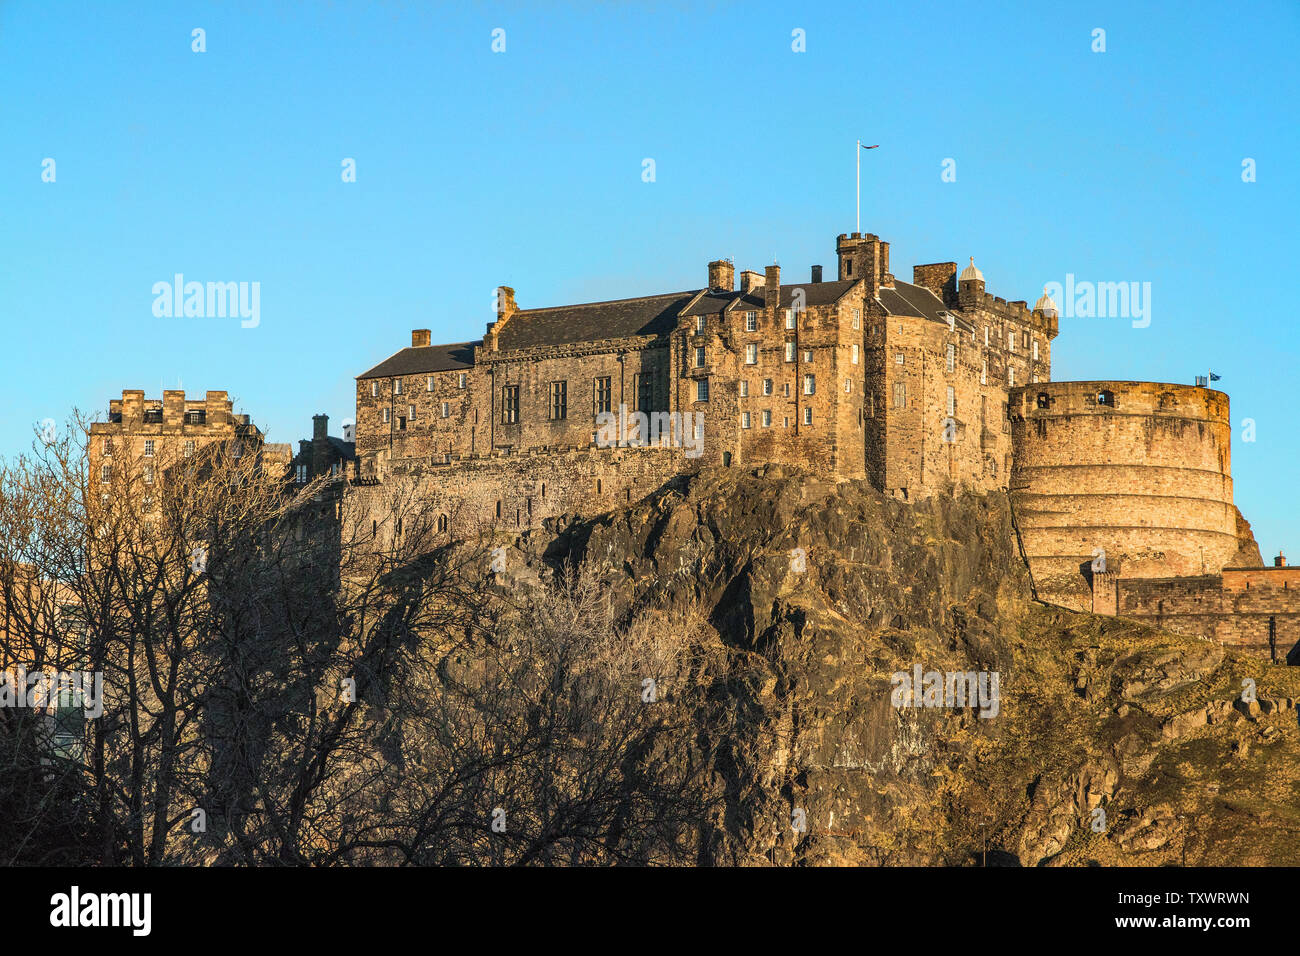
(442, 524)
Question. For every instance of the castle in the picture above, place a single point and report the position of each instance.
(1122, 490)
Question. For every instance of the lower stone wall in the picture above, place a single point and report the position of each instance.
(512, 492)
(1256, 610)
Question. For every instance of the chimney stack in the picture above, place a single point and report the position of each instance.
(817, 274)
(1280, 560)
(722, 275)
(772, 288)
(420, 338)
(320, 427)
(750, 280)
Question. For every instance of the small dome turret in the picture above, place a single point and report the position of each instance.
(1045, 304)
(970, 272)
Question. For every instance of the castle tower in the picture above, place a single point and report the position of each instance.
(863, 256)
(970, 286)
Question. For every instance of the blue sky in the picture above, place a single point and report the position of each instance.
(524, 168)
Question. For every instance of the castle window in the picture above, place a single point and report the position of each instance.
(604, 394)
(374, 388)
(428, 384)
(442, 524)
(644, 393)
(238, 450)
(509, 405)
(446, 409)
(386, 414)
(726, 463)
(744, 389)
(1043, 400)
(105, 474)
(1035, 350)
(189, 449)
(848, 386)
(950, 362)
(807, 416)
(462, 380)
(785, 422)
(785, 389)
(600, 487)
(807, 356)
(810, 384)
(302, 474)
(898, 359)
(108, 446)
(857, 318)
(498, 508)
(410, 412)
(1034, 377)
(148, 474)
(744, 420)
(871, 404)
(767, 418)
(751, 353)
(984, 373)
(401, 423)
(853, 353)
(699, 357)
(952, 401)
(374, 528)
(1024, 339)
(848, 267)
(789, 319)
(1011, 341)
(148, 448)
(1011, 375)
(702, 390)
(1106, 397)
(698, 432)
(397, 386)
(900, 394)
(986, 336)
(699, 323)
(767, 386)
(789, 351)
(559, 401)
(751, 321)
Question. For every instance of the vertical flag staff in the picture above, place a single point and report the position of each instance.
(858, 219)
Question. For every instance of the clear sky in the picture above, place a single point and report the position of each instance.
(477, 168)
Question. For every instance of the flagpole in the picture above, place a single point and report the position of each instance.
(857, 224)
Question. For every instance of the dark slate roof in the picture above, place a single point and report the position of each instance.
(428, 358)
(908, 299)
(345, 449)
(590, 321)
(712, 302)
(815, 293)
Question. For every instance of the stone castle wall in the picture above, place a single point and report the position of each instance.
(1254, 609)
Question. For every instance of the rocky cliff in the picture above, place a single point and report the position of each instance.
(1108, 741)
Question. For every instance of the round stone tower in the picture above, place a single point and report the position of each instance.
(1129, 478)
